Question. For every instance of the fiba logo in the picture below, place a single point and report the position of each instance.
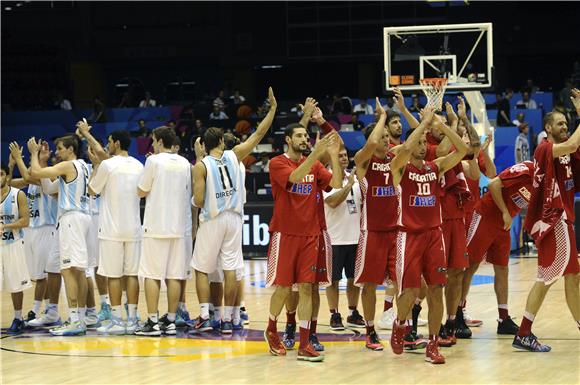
(255, 232)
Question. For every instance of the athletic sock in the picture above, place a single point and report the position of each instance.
(236, 315)
(74, 314)
(82, 311)
(204, 310)
(92, 310)
(18, 314)
(52, 307)
(181, 306)
(36, 306)
(46, 304)
(211, 307)
(153, 317)
(291, 317)
(351, 310)
(105, 299)
(313, 324)
(526, 326)
(117, 312)
(171, 317)
(272, 323)
(370, 326)
(132, 307)
(388, 302)
(217, 313)
(228, 311)
(418, 301)
(304, 334)
(503, 311)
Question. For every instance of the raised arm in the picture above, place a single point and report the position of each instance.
(573, 142)
(490, 169)
(307, 109)
(319, 149)
(400, 102)
(244, 149)
(495, 186)
(333, 149)
(450, 160)
(84, 131)
(38, 172)
(474, 140)
(364, 154)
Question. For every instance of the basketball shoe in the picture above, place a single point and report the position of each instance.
(444, 340)
(238, 326)
(131, 326)
(289, 336)
(150, 329)
(17, 327)
(373, 342)
(309, 354)
(274, 343)
(313, 339)
(105, 312)
(470, 321)
(69, 329)
(530, 343)
(461, 328)
(432, 354)
(336, 322)
(397, 338)
(115, 327)
(355, 320)
(29, 317)
(166, 326)
(244, 315)
(227, 327)
(49, 318)
(201, 325)
(413, 342)
(182, 318)
(92, 320)
(507, 326)
(387, 319)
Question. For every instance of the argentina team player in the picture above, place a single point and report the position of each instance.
(219, 192)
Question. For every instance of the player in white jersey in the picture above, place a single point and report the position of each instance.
(218, 192)
(39, 237)
(14, 216)
(119, 228)
(73, 224)
(166, 182)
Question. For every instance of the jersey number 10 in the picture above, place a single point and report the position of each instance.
(423, 189)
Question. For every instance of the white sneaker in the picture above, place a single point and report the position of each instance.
(132, 326)
(115, 327)
(470, 321)
(49, 318)
(92, 320)
(387, 319)
(421, 322)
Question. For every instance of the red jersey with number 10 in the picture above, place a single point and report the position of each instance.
(420, 207)
(379, 197)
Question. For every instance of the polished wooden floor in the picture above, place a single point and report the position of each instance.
(37, 358)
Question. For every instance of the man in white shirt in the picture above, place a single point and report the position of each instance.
(363, 107)
(342, 212)
(148, 102)
(119, 228)
(166, 182)
(527, 102)
(217, 114)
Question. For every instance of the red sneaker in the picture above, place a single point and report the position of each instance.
(309, 354)
(432, 354)
(397, 338)
(276, 346)
(444, 340)
(373, 342)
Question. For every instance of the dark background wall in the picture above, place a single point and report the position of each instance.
(85, 48)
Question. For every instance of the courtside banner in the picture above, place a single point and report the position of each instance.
(255, 234)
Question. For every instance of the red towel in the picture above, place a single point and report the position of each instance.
(546, 206)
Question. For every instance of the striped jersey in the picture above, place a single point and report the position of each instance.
(9, 214)
(74, 195)
(43, 207)
(224, 186)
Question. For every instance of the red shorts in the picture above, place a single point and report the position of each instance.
(557, 254)
(375, 250)
(468, 217)
(291, 259)
(324, 263)
(485, 238)
(420, 254)
(455, 243)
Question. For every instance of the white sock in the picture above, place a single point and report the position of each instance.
(350, 311)
(211, 307)
(304, 324)
(171, 317)
(217, 313)
(117, 311)
(236, 316)
(451, 317)
(82, 311)
(389, 298)
(132, 311)
(273, 317)
(124, 297)
(92, 310)
(181, 306)
(229, 310)
(204, 310)
(18, 314)
(74, 314)
(153, 317)
(105, 299)
(46, 304)
(370, 323)
(529, 316)
(52, 307)
(36, 306)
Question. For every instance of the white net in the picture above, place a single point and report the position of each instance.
(434, 89)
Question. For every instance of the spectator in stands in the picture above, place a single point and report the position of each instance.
(199, 129)
(220, 100)
(531, 87)
(520, 119)
(416, 106)
(125, 100)
(64, 104)
(522, 147)
(363, 107)
(357, 125)
(341, 104)
(98, 115)
(391, 105)
(526, 102)
(297, 109)
(217, 113)
(237, 98)
(142, 131)
(263, 165)
(503, 110)
(148, 101)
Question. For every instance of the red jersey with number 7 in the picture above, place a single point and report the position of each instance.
(420, 207)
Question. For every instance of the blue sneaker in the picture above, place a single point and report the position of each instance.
(105, 312)
(530, 343)
(17, 327)
(216, 324)
(315, 343)
(201, 325)
(127, 312)
(244, 316)
(289, 336)
(69, 329)
(227, 327)
(182, 319)
(238, 326)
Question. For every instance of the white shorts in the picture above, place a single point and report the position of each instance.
(38, 241)
(93, 242)
(53, 261)
(218, 275)
(73, 228)
(163, 258)
(14, 277)
(118, 258)
(218, 244)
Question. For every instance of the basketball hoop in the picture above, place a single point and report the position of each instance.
(434, 88)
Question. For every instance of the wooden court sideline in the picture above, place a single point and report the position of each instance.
(37, 358)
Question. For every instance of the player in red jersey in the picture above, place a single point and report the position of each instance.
(488, 236)
(550, 220)
(292, 256)
(420, 247)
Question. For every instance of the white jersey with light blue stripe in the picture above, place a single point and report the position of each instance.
(9, 214)
(95, 201)
(43, 207)
(74, 196)
(224, 186)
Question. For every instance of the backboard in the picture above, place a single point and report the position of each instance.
(462, 53)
